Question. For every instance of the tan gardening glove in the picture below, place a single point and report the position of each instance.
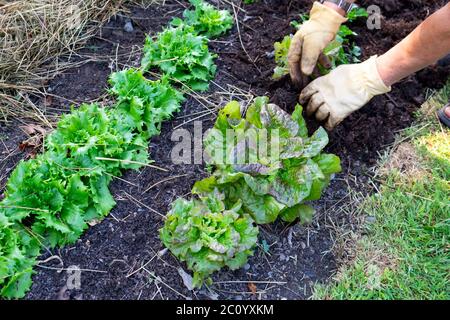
(344, 90)
(309, 42)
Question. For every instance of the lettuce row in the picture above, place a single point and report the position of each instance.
(53, 198)
(50, 200)
(209, 236)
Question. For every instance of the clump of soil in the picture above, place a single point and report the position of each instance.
(123, 258)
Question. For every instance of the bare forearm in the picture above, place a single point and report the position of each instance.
(429, 42)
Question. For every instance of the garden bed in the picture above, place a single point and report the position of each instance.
(122, 255)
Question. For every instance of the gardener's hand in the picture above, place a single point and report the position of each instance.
(310, 41)
(344, 90)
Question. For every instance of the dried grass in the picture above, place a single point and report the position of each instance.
(34, 35)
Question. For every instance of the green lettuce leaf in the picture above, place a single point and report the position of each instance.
(182, 55)
(267, 175)
(207, 236)
(205, 19)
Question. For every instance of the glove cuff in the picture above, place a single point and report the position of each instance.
(327, 17)
(372, 79)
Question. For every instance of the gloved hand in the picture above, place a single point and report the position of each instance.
(344, 90)
(310, 41)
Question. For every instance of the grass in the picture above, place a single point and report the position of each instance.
(406, 252)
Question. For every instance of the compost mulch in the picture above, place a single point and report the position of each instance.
(122, 256)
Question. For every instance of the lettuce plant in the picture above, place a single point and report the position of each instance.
(281, 57)
(208, 236)
(182, 55)
(143, 103)
(270, 164)
(206, 19)
(340, 51)
(56, 203)
(18, 251)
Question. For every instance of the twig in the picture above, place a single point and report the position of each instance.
(67, 269)
(240, 39)
(165, 284)
(164, 180)
(144, 205)
(132, 162)
(255, 282)
(142, 267)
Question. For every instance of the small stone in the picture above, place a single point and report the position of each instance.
(128, 27)
(270, 55)
(371, 219)
(247, 267)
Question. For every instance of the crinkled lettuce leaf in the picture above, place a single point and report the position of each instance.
(182, 55)
(208, 236)
(18, 252)
(267, 161)
(205, 19)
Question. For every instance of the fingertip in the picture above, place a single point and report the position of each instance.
(304, 96)
(295, 80)
(307, 69)
(322, 113)
(301, 99)
(331, 123)
(329, 127)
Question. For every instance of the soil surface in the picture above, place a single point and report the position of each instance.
(122, 257)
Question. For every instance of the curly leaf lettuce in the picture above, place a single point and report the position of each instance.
(142, 103)
(206, 19)
(182, 55)
(207, 236)
(18, 251)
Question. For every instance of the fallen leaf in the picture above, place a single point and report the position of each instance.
(252, 288)
(32, 142)
(48, 101)
(93, 222)
(162, 252)
(187, 279)
(33, 129)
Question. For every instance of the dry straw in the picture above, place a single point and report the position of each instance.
(34, 35)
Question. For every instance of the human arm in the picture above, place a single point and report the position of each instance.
(429, 42)
(349, 87)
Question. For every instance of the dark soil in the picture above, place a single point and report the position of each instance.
(119, 256)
